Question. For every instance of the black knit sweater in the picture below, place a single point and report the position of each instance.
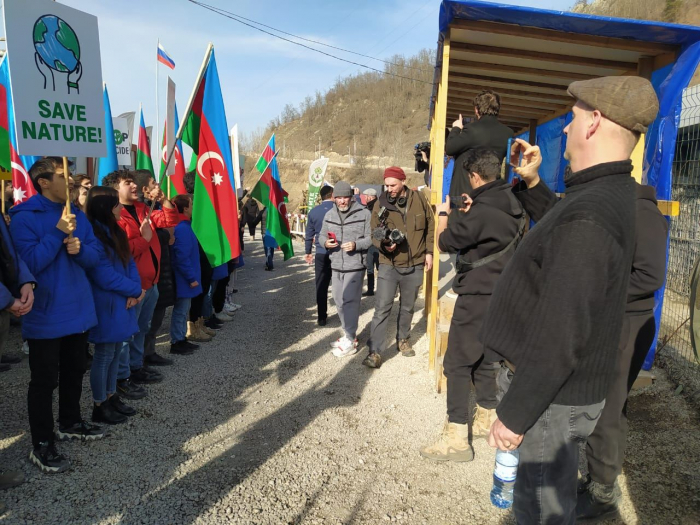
(556, 312)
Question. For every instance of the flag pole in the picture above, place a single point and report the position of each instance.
(3, 198)
(188, 110)
(261, 175)
(157, 106)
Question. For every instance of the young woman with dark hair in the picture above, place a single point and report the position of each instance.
(116, 287)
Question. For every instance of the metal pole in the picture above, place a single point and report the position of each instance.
(157, 109)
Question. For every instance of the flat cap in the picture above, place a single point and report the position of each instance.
(630, 102)
(370, 192)
(342, 189)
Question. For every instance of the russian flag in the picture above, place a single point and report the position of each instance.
(163, 57)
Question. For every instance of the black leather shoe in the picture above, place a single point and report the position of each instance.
(180, 348)
(141, 376)
(597, 502)
(120, 406)
(129, 390)
(10, 359)
(105, 413)
(157, 360)
(322, 322)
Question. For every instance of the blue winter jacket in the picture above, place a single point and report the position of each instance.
(112, 285)
(63, 303)
(219, 272)
(24, 276)
(185, 261)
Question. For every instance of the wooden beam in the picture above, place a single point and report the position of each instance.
(555, 115)
(645, 68)
(507, 101)
(507, 113)
(504, 107)
(542, 57)
(559, 89)
(495, 28)
(535, 72)
(532, 139)
(519, 93)
(669, 208)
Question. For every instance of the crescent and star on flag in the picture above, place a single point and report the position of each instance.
(211, 156)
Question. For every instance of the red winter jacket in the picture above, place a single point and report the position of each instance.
(140, 249)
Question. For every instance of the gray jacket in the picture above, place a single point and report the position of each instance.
(354, 226)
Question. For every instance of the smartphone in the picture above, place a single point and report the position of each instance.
(332, 237)
(457, 202)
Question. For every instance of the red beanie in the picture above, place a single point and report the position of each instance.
(395, 173)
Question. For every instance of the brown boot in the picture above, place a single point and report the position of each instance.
(452, 445)
(202, 328)
(483, 420)
(405, 348)
(194, 334)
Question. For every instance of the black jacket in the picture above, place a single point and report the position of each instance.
(487, 133)
(487, 228)
(556, 312)
(166, 284)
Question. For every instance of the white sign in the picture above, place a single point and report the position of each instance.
(122, 139)
(56, 77)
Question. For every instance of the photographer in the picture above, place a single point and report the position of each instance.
(483, 233)
(485, 132)
(403, 230)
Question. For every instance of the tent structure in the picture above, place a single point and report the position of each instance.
(530, 56)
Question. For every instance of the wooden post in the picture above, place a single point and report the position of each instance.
(437, 161)
(533, 132)
(66, 174)
(3, 199)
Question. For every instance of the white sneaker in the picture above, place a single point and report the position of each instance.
(25, 347)
(345, 347)
(223, 317)
(229, 308)
(336, 343)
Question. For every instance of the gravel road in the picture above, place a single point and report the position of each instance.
(265, 426)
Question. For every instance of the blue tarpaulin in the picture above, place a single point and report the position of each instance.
(669, 83)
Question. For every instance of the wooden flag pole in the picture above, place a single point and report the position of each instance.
(188, 110)
(261, 175)
(3, 199)
(66, 174)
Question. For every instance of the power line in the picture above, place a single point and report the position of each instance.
(240, 17)
(215, 10)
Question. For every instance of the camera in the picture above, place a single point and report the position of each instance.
(457, 202)
(421, 166)
(383, 233)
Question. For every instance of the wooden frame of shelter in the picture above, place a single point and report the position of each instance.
(529, 57)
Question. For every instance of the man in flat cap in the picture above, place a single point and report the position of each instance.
(555, 316)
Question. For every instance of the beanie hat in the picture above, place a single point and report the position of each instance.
(342, 189)
(395, 173)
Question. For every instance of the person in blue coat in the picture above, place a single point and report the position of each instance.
(116, 288)
(58, 246)
(16, 287)
(188, 275)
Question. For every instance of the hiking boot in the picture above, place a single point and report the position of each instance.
(10, 359)
(11, 479)
(143, 377)
(405, 348)
(129, 390)
(204, 329)
(452, 445)
(47, 458)
(597, 502)
(82, 431)
(180, 348)
(117, 404)
(373, 360)
(105, 413)
(345, 347)
(195, 334)
(157, 360)
(483, 420)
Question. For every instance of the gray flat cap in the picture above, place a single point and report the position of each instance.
(370, 192)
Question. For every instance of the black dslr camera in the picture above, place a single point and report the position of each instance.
(382, 233)
(421, 166)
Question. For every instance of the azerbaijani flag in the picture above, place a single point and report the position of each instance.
(10, 160)
(143, 153)
(269, 192)
(215, 207)
(108, 164)
(177, 180)
(163, 57)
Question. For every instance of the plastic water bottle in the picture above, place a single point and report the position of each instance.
(504, 478)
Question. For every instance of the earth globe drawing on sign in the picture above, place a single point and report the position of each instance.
(57, 51)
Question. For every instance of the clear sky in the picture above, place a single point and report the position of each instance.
(259, 73)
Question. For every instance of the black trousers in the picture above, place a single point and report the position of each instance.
(219, 297)
(55, 362)
(323, 280)
(198, 302)
(605, 448)
(252, 223)
(464, 360)
(156, 323)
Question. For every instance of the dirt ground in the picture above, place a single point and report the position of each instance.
(265, 426)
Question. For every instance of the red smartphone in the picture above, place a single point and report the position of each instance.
(332, 237)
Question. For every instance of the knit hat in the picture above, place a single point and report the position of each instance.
(394, 172)
(342, 189)
(370, 192)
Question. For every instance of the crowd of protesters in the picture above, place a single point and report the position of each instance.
(102, 272)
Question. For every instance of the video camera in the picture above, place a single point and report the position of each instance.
(382, 233)
(421, 166)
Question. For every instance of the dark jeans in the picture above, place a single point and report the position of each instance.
(408, 281)
(269, 255)
(55, 362)
(323, 280)
(605, 449)
(545, 488)
(464, 360)
(156, 323)
(218, 298)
